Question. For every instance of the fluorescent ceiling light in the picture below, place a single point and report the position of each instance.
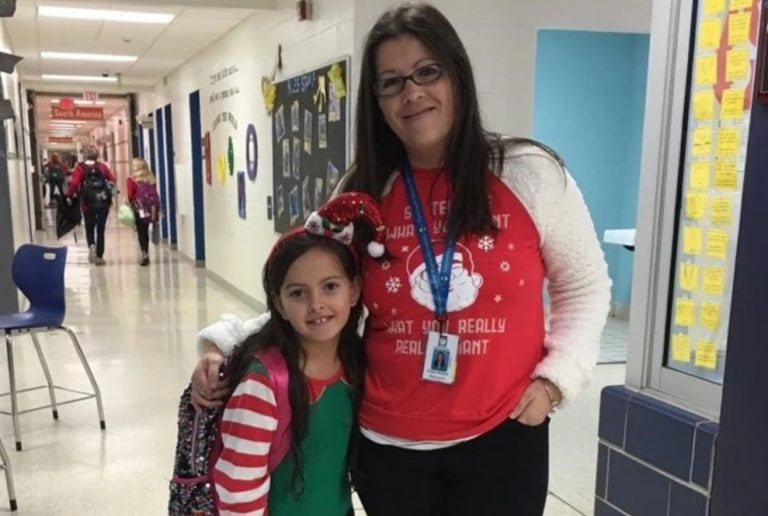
(103, 14)
(78, 78)
(79, 102)
(76, 56)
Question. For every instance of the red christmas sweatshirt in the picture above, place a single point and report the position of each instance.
(495, 306)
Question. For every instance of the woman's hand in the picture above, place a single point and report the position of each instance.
(207, 388)
(535, 405)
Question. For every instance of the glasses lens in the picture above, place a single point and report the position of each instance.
(388, 86)
(427, 73)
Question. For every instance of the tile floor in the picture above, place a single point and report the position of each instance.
(137, 325)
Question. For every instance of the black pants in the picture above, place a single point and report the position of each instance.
(56, 185)
(142, 228)
(501, 473)
(95, 220)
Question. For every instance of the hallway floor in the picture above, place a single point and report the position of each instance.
(138, 326)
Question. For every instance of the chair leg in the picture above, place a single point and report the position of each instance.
(12, 381)
(51, 390)
(8, 477)
(87, 368)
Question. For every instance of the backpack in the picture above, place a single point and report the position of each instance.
(54, 174)
(96, 192)
(147, 201)
(198, 444)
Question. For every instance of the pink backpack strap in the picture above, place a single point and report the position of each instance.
(272, 359)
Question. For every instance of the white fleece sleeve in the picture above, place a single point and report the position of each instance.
(229, 331)
(576, 271)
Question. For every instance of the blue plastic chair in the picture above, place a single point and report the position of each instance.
(38, 272)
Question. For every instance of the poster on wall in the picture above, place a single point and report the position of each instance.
(251, 152)
(311, 148)
(241, 194)
(207, 158)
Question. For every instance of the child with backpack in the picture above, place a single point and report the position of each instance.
(282, 447)
(94, 182)
(55, 173)
(145, 201)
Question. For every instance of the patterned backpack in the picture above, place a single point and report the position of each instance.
(198, 444)
(147, 201)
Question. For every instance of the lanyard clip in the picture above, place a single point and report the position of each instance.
(441, 323)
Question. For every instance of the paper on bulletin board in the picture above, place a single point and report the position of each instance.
(681, 347)
(704, 105)
(721, 210)
(714, 280)
(728, 141)
(737, 64)
(702, 141)
(710, 315)
(695, 205)
(714, 7)
(685, 312)
(709, 33)
(725, 174)
(732, 105)
(692, 240)
(700, 175)
(717, 243)
(689, 277)
(738, 28)
(706, 70)
(706, 354)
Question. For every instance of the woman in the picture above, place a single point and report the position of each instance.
(476, 223)
(142, 194)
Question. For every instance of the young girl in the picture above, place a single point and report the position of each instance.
(312, 283)
(142, 194)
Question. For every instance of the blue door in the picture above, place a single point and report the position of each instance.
(197, 175)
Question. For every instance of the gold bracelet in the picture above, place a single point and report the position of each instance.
(553, 403)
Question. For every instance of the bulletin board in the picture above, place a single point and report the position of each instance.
(310, 141)
(719, 106)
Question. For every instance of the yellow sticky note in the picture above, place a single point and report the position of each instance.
(706, 70)
(685, 312)
(692, 238)
(702, 141)
(704, 105)
(721, 210)
(728, 141)
(714, 280)
(713, 6)
(717, 243)
(709, 33)
(738, 27)
(710, 315)
(699, 179)
(681, 347)
(706, 354)
(725, 174)
(695, 205)
(737, 64)
(732, 105)
(689, 277)
(741, 4)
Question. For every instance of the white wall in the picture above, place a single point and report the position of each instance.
(500, 37)
(235, 248)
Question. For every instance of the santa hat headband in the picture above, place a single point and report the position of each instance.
(335, 220)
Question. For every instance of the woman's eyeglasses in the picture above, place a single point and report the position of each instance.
(394, 84)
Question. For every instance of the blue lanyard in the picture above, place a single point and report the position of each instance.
(439, 282)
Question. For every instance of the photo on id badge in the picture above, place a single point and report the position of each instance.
(440, 358)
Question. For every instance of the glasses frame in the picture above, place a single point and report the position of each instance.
(405, 78)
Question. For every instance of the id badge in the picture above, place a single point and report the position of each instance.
(441, 357)
(142, 213)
